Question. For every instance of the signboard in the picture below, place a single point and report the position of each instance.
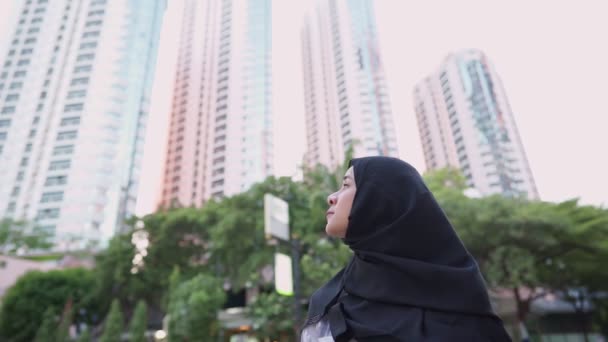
(276, 218)
(283, 275)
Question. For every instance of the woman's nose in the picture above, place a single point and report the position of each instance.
(331, 199)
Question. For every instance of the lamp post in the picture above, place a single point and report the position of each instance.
(287, 270)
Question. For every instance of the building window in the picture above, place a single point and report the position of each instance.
(59, 165)
(82, 68)
(50, 213)
(68, 135)
(70, 121)
(30, 41)
(33, 30)
(16, 85)
(36, 20)
(77, 94)
(75, 107)
(63, 150)
(8, 110)
(85, 57)
(56, 180)
(81, 80)
(3, 136)
(90, 34)
(20, 73)
(55, 196)
(93, 23)
(89, 45)
(5, 123)
(12, 97)
(23, 62)
(97, 12)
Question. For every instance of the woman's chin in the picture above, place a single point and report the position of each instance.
(331, 231)
(328, 230)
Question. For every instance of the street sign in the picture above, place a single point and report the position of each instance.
(276, 218)
(283, 275)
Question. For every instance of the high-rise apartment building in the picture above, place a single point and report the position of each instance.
(220, 138)
(74, 96)
(346, 98)
(465, 121)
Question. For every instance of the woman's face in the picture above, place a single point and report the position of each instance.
(340, 203)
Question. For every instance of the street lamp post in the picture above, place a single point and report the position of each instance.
(287, 276)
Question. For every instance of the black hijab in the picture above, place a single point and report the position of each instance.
(411, 278)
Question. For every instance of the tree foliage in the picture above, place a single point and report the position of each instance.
(24, 304)
(113, 325)
(63, 331)
(530, 248)
(46, 331)
(139, 322)
(193, 307)
(21, 236)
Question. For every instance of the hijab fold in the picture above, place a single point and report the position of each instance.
(409, 267)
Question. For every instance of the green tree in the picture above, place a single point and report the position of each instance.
(193, 309)
(176, 238)
(63, 331)
(321, 262)
(530, 248)
(113, 273)
(46, 332)
(113, 326)
(139, 323)
(85, 336)
(272, 316)
(23, 305)
(22, 236)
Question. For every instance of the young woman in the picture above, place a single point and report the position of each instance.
(411, 278)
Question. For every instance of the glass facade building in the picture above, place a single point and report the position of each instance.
(221, 124)
(345, 88)
(75, 100)
(465, 121)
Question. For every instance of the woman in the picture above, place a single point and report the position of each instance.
(411, 278)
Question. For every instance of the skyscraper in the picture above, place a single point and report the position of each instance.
(220, 139)
(465, 121)
(74, 96)
(345, 88)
